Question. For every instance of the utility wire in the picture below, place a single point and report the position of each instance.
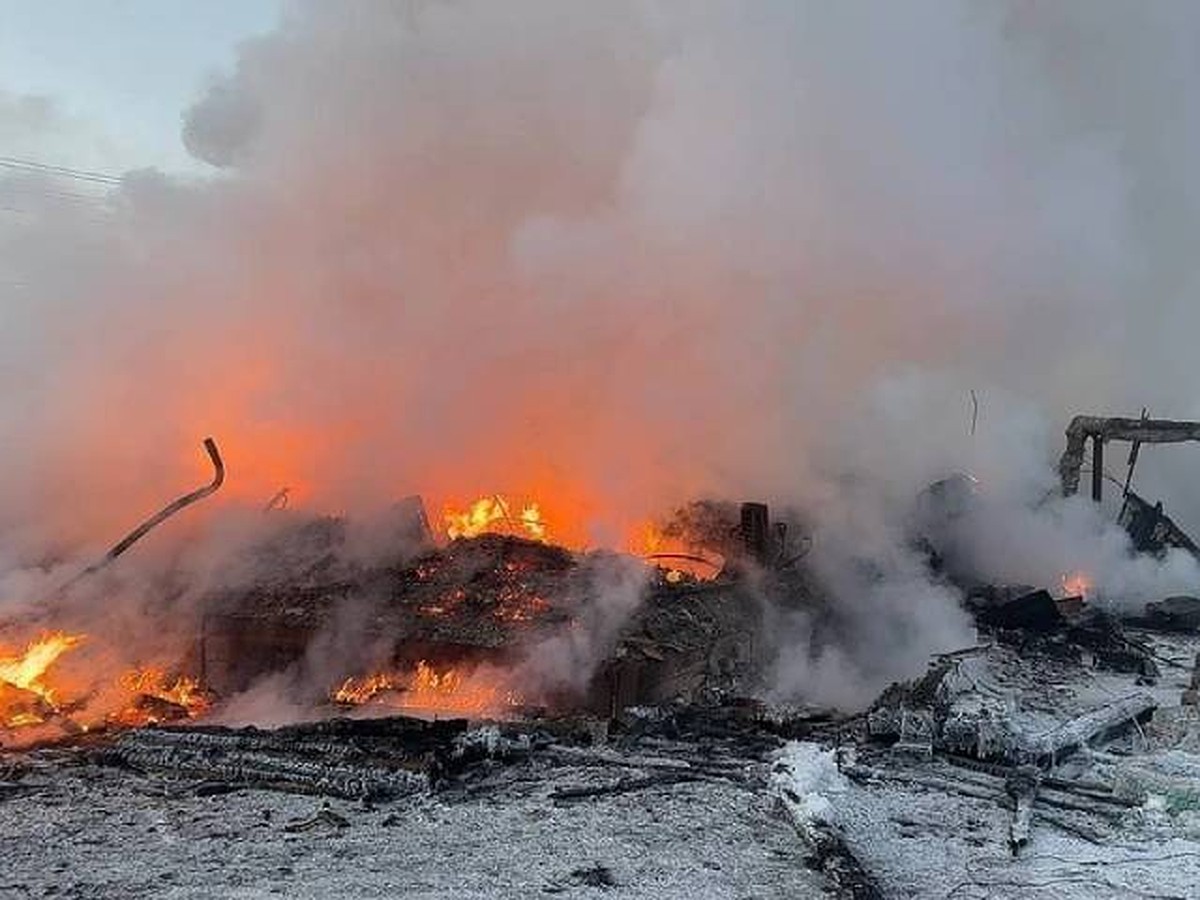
(33, 166)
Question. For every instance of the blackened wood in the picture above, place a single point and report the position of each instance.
(755, 531)
(830, 855)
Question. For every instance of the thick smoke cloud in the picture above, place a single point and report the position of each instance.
(614, 256)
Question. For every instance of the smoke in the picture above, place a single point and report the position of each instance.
(565, 662)
(615, 256)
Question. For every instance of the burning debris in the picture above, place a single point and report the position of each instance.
(158, 698)
(485, 658)
(25, 698)
(29, 696)
(437, 690)
(562, 268)
(495, 515)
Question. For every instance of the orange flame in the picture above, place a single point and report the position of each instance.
(150, 684)
(430, 689)
(1077, 584)
(494, 515)
(357, 691)
(677, 559)
(26, 672)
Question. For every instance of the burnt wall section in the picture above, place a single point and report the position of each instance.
(488, 599)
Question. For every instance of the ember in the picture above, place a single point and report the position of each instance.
(1076, 584)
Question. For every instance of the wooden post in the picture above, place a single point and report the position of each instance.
(756, 531)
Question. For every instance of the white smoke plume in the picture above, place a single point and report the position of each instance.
(567, 660)
(615, 256)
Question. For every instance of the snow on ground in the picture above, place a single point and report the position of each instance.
(91, 832)
(71, 828)
(924, 843)
(85, 831)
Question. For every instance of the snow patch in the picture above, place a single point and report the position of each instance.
(804, 773)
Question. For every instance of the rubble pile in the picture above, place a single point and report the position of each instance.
(486, 598)
(1055, 753)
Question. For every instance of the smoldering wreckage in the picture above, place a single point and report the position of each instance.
(1060, 754)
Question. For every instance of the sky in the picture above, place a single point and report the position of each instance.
(122, 72)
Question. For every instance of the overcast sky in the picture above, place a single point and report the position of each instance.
(121, 71)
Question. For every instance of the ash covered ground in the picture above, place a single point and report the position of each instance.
(1057, 756)
(680, 803)
(83, 831)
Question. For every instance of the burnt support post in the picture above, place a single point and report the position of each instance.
(1097, 468)
(756, 531)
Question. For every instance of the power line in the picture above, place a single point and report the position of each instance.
(34, 167)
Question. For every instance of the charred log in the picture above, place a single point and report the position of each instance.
(829, 854)
(1094, 725)
(621, 786)
(1022, 786)
(340, 758)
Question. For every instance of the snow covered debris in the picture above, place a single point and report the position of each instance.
(804, 774)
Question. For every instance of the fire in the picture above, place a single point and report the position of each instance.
(1077, 584)
(515, 605)
(494, 515)
(451, 690)
(28, 700)
(430, 688)
(157, 697)
(357, 691)
(26, 697)
(678, 560)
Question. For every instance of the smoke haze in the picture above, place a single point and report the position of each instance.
(611, 257)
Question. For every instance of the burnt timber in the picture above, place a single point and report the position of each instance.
(483, 599)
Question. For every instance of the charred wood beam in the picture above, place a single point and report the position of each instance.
(1097, 790)
(339, 757)
(1022, 786)
(1142, 431)
(1061, 793)
(153, 750)
(755, 531)
(980, 786)
(408, 729)
(731, 770)
(9, 790)
(1101, 722)
(1131, 464)
(829, 854)
(390, 740)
